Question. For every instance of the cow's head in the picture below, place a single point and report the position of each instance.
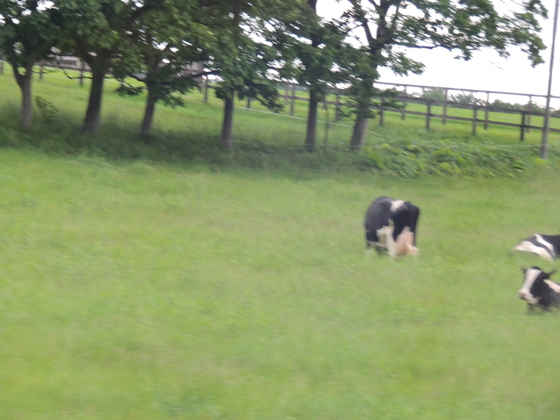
(537, 287)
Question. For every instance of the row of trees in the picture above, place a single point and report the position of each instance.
(469, 100)
(251, 45)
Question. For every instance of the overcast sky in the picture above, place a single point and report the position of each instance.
(485, 71)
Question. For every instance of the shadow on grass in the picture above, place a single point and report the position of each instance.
(411, 156)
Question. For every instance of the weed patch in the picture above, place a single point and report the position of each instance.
(443, 158)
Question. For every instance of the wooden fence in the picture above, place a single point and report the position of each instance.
(480, 113)
(524, 116)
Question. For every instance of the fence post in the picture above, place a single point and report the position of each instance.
(403, 111)
(444, 118)
(381, 115)
(1, 67)
(293, 102)
(529, 108)
(428, 113)
(487, 112)
(474, 120)
(82, 67)
(523, 116)
(327, 126)
(286, 92)
(337, 107)
(206, 90)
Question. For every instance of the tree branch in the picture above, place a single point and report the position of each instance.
(361, 17)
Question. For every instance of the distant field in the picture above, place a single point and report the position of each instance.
(139, 291)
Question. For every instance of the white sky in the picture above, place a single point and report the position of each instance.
(485, 71)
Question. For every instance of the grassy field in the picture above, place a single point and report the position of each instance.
(204, 119)
(142, 291)
(164, 282)
(263, 140)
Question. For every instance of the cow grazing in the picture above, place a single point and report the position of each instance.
(538, 291)
(391, 226)
(547, 246)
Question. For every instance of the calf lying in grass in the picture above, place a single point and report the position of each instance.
(547, 246)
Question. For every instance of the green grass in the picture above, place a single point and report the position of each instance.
(178, 281)
(142, 291)
(204, 119)
(264, 140)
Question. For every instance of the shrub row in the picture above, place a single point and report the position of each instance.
(404, 158)
(443, 158)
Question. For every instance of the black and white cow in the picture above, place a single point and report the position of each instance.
(547, 246)
(537, 290)
(391, 226)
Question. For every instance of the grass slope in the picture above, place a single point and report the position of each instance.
(141, 291)
(204, 119)
(262, 140)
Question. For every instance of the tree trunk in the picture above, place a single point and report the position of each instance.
(149, 111)
(227, 126)
(311, 135)
(93, 113)
(358, 134)
(26, 97)
(24, 82)
(310, 138)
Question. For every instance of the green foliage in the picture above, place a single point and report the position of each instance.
(530, 107)
(27, 35)
(167, 41)
(126, 89)
(420, 159)
(267, 141)
(10, 137)
(239, 53)
(467, 99)
(461, 26)
(47, 110)
(396, 159)
(26, 32)
(435, 94)
(311, 51)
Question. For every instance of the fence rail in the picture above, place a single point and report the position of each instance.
(290, 98)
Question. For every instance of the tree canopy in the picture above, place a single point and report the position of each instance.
(389, 29)
(251, 46)
(27, 34)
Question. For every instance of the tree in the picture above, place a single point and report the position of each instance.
(435, 94)
(467, 99)
(240, 56)
(168, 42)
(96, 31)
(364, 99)
(313, 50)
(390, 28)
(26, 36)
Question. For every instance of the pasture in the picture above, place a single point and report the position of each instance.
(263, 140)
(203, 120)
(132, 290)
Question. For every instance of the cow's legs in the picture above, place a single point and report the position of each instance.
(391, 245)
